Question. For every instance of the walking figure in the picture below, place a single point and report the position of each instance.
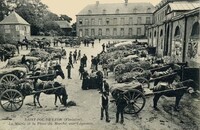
(69, 67)
(104, 106)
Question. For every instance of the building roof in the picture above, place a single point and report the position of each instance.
(184, 5)
(64, 24)
(14, 18)
(114, 8)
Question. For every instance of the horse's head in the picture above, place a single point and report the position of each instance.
(63, 92)
(191, 85)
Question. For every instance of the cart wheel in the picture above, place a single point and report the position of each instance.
(136, 101)
(145, 83)
(9, 80)
(117, 69)
(137, 69)
(11, 100)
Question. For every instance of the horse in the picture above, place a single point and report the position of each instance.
(54, 88)
(23, 44)
(182, 87)
(54, 70)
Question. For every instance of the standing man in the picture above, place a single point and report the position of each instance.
(70, 60)
(85, 60)
(69, 67)
(121, 104)
(74, 56)
(79, 54)
(104, 106)
(81, 70)
(103, 47)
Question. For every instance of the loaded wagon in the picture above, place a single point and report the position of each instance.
(135, 93)
(13, 90)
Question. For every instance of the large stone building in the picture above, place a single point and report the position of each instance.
(117, 20)
(175, 32)
(15, 27)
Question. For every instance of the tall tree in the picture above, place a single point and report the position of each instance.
(65, 17)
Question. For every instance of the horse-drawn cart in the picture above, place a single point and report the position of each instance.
(135, 94)
(14, 90)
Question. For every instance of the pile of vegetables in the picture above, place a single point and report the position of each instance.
(9, 48)
(161, 73)
(41, 54)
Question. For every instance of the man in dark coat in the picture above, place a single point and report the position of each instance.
(85, 80)
(81, 70)
(104, 106)
(103, 47)
(23, 61)
(70, 60)
(69, 67)
(85, 60)
(121, 104)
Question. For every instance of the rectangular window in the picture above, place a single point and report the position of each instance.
(138, 31)
(100, 21)
(122, 21)
(86, 22)
(122, 32)
(139, 20)
(7, 26)
(80, 32)
(86, 32)
(107, 21)
(130, 31)
(148, 20)
(92, 32)
(114, 31)
(130, 20)
(100, 32)
(115, 21)
(107, 32)
(80, 22)
(17, 27)
(92, 22)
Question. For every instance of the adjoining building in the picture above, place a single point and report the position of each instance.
(65, 26)
(15, 27)
(116, 20)
(175, 33)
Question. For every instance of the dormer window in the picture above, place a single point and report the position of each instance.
(89, 12)
(117, 11)
(148, 10)
(134, 10)
(104, 11)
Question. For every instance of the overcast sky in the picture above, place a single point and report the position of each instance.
(72, 7)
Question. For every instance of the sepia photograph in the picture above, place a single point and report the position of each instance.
(99, 65)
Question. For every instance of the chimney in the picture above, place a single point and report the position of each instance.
(97, 3)
(126, 2)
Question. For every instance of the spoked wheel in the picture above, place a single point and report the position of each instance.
(145, 83)
(9, 80)
(136, 101)
(137, 69)
(11, 100)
